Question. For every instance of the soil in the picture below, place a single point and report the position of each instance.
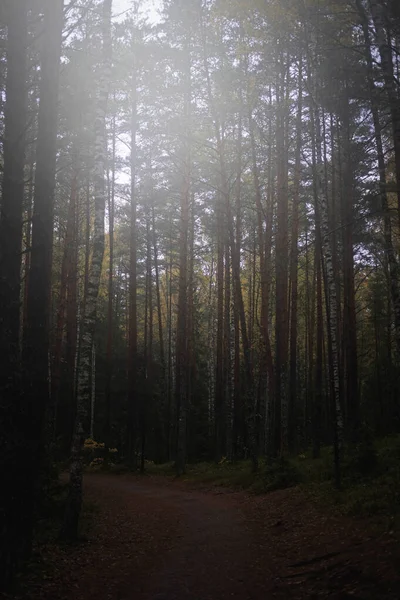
(157, 539)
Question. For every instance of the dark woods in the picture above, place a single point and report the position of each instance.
(199, 237)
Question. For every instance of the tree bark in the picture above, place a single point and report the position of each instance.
(349, 323)
(66, 266)
(74, 502)
(294, 261)
(182, 317)
(110, 305)
(132, 350)
(11, 419)
(35, 354)
(281, 270)
(322, 204)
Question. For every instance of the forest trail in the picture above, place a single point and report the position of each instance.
(155, 539)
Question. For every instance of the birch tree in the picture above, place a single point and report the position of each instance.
(74, 502)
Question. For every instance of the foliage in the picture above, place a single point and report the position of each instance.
(95, 453)
(280, 474)
(371, 478)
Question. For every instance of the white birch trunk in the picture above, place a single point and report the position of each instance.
(89, 318)
(332, 300)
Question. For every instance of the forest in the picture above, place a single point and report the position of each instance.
(199, 238)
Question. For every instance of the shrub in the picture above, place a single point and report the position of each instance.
(96, 450)
(361, 459)
(97, 463)
(281, 474)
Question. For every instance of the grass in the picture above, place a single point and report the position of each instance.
(225, 474)
(370, 478)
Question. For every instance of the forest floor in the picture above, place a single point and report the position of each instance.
(153, 538)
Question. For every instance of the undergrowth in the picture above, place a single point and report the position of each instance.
(370, 477)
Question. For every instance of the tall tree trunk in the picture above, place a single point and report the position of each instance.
(66, 267)
(87, 246)
(158, 293)
(294, 261)
(147, 392)
(219, 375)
(132, 351)
(262, 239)
(331, 291)
(182, 317)
(74, 502)
(36, 343)
(171, 452)
(281, 268)
(72, 328)
(227, 355)
(164, 409)
(269, 412)
(28, 242)
(12, 452)
(82, 305)
(337, 191)
(318, 367)
(349, 305)
(191, 358)
(236, 405)
(110, 306)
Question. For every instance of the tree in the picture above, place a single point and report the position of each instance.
(11, 440)
(74, 503)
(181, 389)
(35, 349)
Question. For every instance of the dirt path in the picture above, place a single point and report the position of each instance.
(210, 553)
(161, 540)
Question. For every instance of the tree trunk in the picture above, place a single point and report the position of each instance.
(182, 318)
(281, 269)
(132, 351)
(349, 305)
(66, 267)
(146, 395)
(12, 423)
(322, 204)
(219, 375)
(158, 294)
(110, 306)
(318, 372)
(262, 238)
(35, 354)
(225, 421)
(74, 502)
(191, 358)
(28, 242)
(294, 260)
(170, 370)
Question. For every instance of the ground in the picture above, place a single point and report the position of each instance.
(158, 539)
